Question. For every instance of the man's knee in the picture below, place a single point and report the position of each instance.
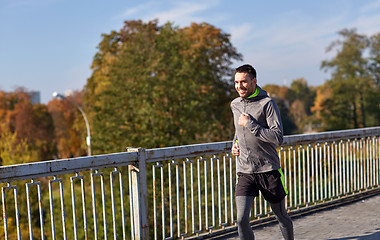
(242, 220)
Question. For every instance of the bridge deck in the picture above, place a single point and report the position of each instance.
(357, 220)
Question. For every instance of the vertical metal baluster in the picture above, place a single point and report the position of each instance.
(29, 210)
(103, 204)
(295, 176)
(122, 205)
(354, 149)
(362, 168)
(72, 179)
(347, 171)
(17, 213)
(42, 226)
(377, 145)
(309, 177)
(333, 157)
(365, 166)
(94, 205)
(131, 202)
(185, 197)
(340, 169)
(173, 163)
(74, 208)
(291, 191)
(351, 175)
(63, 216)
(192, 197)
(265, 208)
(329, 170)
(162, 202)
(337, 166)
(231, 190)
(371, 160)
(55, 179)
(320, 171)
(281, 153)
(225, 192)
(325, 166)
(154, 201)
(5, 217)
(170, 199)
(366, 163)
(212, 191)
(219, 194)
(313, 178)
(303, 174)
(299, 176)
(317, 161)
(15, 195)
(84, 209)
(199, 194)
(320, 163)
(38, 184)
(206, 195)
(377, 158)
(116, 171)
(178, 200)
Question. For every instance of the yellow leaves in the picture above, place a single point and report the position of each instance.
(323, 93)
(13, 151)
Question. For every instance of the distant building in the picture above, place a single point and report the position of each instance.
(35, 97)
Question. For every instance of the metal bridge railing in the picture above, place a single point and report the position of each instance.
(176, 192)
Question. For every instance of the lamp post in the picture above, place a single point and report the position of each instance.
(88, 138)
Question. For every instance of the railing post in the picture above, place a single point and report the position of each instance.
(139, 196)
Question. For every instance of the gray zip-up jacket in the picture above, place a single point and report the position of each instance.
(260, 136)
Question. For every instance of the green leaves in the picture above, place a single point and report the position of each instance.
(354, 83)
(155, 86)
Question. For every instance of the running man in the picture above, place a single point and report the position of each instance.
(258, 131)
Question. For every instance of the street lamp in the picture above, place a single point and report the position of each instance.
(88, 138)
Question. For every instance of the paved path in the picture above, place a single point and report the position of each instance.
(358, 220)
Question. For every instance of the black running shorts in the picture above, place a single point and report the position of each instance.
(270, 184)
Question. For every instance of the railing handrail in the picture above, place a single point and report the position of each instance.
(330, 136)
(62, 166)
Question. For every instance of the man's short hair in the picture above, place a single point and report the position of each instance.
(246, 68)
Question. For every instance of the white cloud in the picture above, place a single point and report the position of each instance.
(130, 12)
(180, 12)
(370, 7)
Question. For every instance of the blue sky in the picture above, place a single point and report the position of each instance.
(48, 45)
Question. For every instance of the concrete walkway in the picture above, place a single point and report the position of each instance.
(357, 220)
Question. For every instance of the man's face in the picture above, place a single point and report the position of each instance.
(244, 84)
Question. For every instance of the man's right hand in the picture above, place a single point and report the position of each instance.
(235, 149)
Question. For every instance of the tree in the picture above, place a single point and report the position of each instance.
(155, 86)
(12, 150)
(374, 66)
(351, 82)
(30, 122)
(281, 96)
